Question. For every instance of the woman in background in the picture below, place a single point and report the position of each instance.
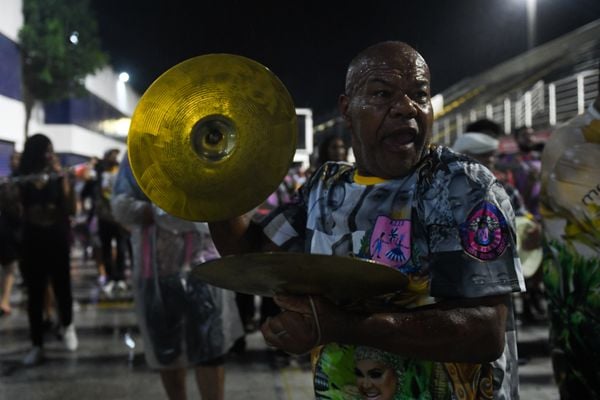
(45, 194)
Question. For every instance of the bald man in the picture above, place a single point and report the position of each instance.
(437, 217)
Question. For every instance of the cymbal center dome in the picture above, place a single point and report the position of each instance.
(213, 137)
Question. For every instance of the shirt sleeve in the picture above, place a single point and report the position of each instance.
(478, 257)
(286, 225)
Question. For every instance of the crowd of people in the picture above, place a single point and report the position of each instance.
(453, 220)
(46, 207)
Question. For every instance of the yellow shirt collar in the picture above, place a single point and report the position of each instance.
(367, 180)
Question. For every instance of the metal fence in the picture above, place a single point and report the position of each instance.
(540, 106)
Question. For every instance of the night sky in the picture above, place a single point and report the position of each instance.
(309, 44)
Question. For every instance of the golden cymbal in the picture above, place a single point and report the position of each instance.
(344, 280)
(212, 137)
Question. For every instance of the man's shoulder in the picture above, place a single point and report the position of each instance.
(332, 171)
(443, 163)
(442, 157)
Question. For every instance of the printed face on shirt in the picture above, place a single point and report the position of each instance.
(382, 201)
(375, 380)
(388, 109)
(462, 197)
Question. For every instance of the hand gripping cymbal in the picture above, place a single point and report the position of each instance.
(212, 137)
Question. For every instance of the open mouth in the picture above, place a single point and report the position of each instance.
(400, 139)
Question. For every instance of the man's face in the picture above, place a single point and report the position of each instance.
(525, 138)
(389, 113)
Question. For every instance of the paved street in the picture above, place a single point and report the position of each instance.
(104, 367)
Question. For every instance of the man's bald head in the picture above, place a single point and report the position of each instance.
(390, 54)
(387, 107)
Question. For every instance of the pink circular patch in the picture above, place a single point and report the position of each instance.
(484, 234)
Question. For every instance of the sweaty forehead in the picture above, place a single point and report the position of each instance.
(392, 61)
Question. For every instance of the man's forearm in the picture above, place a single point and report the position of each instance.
(458, 334)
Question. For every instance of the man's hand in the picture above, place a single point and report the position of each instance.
(302, 325)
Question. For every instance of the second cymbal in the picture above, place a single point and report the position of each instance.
(343, 280)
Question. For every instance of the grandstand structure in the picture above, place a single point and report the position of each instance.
(541, 88)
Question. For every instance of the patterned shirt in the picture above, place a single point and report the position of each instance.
(448, 226)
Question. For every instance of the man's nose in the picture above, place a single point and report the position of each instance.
(403, 106)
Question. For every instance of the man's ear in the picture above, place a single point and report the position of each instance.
(343, 104)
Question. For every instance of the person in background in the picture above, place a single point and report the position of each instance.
(184, 322)
(331, 148)
(84, 181)
(484, 148)
(87, 198)
(523, 169)
(46, 197)
(494, 130)
(486, 126)
(109, 229)
(570, 201)
(454, 316)
(10, 232)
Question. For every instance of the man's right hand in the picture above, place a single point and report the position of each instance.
(306, 322)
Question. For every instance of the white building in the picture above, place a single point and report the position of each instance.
(80, 127)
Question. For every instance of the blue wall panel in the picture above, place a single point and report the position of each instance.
(87, 112)
(70, 159)
(6, 150)
(10, 69)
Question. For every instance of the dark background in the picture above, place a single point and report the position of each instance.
(309, 44)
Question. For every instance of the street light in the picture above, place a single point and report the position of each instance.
(74, 37)
(531, 11)
(123, 77)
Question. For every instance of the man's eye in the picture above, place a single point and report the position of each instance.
(382, 93)
(421, 97)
